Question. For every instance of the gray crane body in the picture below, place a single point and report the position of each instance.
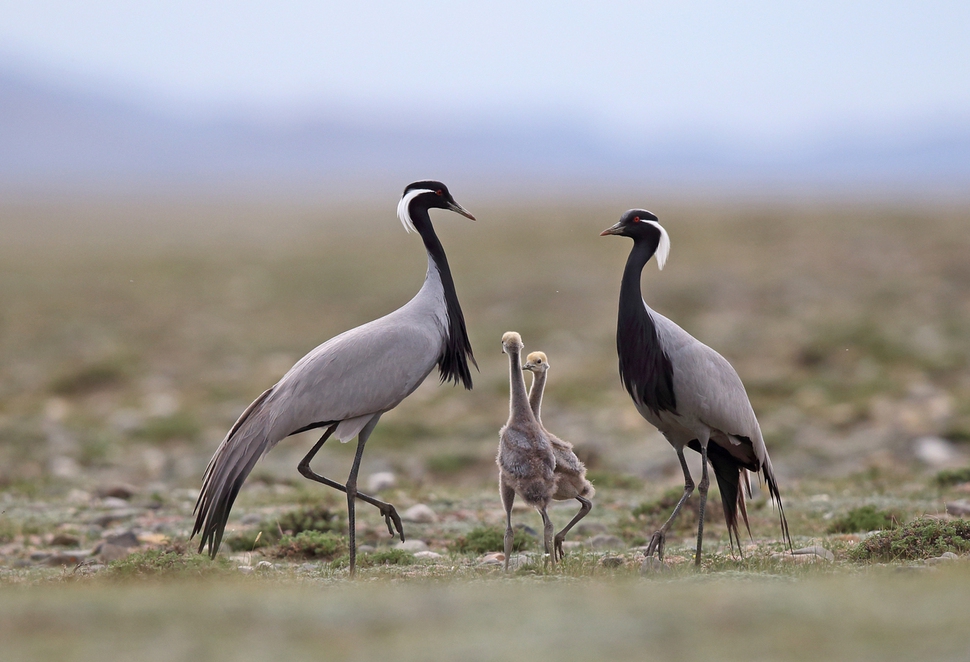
(711, 400)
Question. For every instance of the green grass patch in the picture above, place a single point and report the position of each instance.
(922, 538)
(311, 545)
(950, 477)
(484, 539)
(90, 378)
(865, 518)
(170, 563)
(388, 556)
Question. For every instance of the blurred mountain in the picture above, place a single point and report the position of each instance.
(53, 137)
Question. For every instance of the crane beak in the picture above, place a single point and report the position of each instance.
(615, 229)
(458, 209)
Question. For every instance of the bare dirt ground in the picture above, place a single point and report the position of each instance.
(132, 333)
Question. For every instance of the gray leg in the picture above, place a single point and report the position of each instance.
(508, 496)
(702, 489)
(659, 538)
(352, 491)
(391, 518)
(586, 506)
(547, 537)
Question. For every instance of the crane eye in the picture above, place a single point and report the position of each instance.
(439, 192)
(636, 219)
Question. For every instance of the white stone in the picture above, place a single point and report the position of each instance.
(934, 451)
(381, 480)
(412, 546)
(419, 513)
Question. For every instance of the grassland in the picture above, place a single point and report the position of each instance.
(132, 333)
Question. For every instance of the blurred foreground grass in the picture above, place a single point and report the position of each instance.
(878, 615)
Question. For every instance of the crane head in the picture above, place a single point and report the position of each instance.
(642, 225)
(511, 341)
(536, 362)
(430, 195)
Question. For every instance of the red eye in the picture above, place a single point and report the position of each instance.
(439, 192)
(636, 219)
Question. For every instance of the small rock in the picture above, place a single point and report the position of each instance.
(815, 550)
(67, 558)
(65, 540)
(108, 552)
(126, 539)
(118, 491)
(419, 513)
(652, 565)
(612, 561)
(492, 558)
(265, 565)
(412, 546)
(39, 556)
(246, 569)
(944, 558)
(116, 516)
(606, 541)
(934, 451)
(428, 556)
(958, 508)
(382, 480)
(114, 502)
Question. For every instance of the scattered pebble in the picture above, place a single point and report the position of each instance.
(382, 480)
(492, 558)
(265, 565)
(65, 540)
(612, 561)
(126, 539)
(958, 508)
(246, 569)
(815, 550)
(412, 546)
(944, 558)
(109, 552)
(419, 513)
(117, 491)
(934, 451)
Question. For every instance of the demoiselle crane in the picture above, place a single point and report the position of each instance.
(348, 382)
(571, 482)
(687, 391)
(527, 465)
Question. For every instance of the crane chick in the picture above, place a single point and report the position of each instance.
(526, 462)
(571, 482)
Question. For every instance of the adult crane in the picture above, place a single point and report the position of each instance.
(687, 391)
(348, 382)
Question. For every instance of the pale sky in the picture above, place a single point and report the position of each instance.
(627, 70)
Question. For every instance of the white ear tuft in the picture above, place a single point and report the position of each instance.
(402, 207)
(663, 248)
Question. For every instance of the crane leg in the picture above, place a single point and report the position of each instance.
(547, 538)
(586, 506)
(352, 491)
(508, 497)
(702, 489)
(659, 538)
(391, 518)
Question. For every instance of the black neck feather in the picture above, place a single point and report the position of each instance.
(453, 362)
(645, 368)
